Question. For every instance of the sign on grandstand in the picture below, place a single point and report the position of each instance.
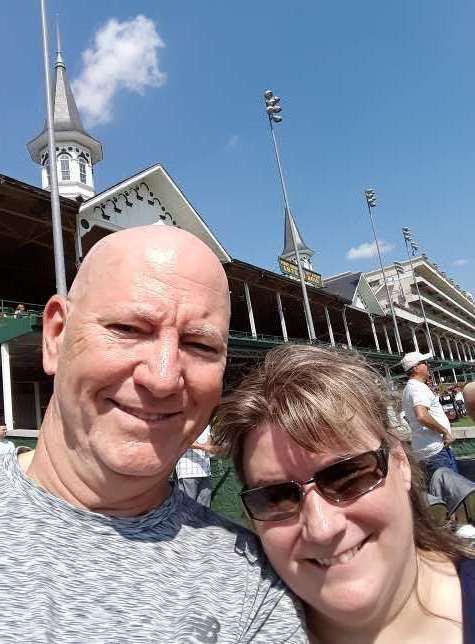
(290, 269)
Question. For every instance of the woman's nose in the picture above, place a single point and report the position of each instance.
(322, 521)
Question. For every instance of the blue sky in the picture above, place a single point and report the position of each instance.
(374, 94)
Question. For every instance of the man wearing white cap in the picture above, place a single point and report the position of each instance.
(431, 433)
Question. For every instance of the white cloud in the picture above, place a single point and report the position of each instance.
(367, 250)
(232, 141)
(460, 262)
(124, 56)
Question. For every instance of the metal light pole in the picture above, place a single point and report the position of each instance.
(55, 208)
(272, 109)
(371, 203)
(409, 240)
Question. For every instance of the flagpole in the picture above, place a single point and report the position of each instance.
(398, 268)
(59, 266)
(406, 233)
(371, 203)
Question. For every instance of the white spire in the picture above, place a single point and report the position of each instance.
(77, 151)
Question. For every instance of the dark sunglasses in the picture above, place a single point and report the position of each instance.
(342, 481)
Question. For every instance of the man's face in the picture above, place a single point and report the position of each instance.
(140, 364)
(421, 370)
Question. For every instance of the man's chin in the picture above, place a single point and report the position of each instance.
(139, 462)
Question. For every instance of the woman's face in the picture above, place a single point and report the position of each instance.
(353, 560)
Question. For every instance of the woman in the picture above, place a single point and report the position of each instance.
(337, 503)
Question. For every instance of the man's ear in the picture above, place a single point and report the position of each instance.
(54, 323)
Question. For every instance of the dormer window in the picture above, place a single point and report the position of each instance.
(64, 165)
(82, 170)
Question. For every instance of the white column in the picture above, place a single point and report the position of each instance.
(426, 335)
(454, 374)
(347, 330)
(457, 350)
(7, 386)
(36, 390)
(464, 352)
(450, 349)
(329, 325)
(414, 339)
(375, 335)
(283, 326)
(386, 336)
(249, 310)
(441, 351)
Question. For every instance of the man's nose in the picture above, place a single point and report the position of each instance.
(322, 522)
(160, 367)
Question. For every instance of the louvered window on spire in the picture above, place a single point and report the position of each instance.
(82, 171)
(65, 171)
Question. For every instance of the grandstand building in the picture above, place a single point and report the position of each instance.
(449, 311)
(348, 310)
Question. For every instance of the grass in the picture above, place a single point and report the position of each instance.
(464, 422)
(226, 490)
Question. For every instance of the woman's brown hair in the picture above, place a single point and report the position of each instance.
(324, 399)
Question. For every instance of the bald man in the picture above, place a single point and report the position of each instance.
(469, 399)
(97, 546)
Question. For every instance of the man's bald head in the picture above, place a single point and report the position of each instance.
(469, 397)
(152, 248)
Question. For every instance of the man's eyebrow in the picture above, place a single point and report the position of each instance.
(204, 331)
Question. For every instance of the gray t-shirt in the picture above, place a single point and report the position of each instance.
(178, 574)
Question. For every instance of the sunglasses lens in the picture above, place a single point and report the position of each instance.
(351, 478)
(273, 502)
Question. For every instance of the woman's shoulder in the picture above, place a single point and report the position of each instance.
(441, 586)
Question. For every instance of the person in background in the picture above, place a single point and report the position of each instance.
(5, 445)
(20, 311)
(101, 548)
(193, 471)
(336, 500)
(469, 399)
(459, 402)
(431, 432)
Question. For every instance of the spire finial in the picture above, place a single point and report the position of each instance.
(59, 52)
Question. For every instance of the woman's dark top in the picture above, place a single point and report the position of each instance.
(466, 571)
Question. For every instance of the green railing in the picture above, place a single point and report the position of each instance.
(12, 327)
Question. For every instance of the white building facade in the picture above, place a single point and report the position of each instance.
(449, 310)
